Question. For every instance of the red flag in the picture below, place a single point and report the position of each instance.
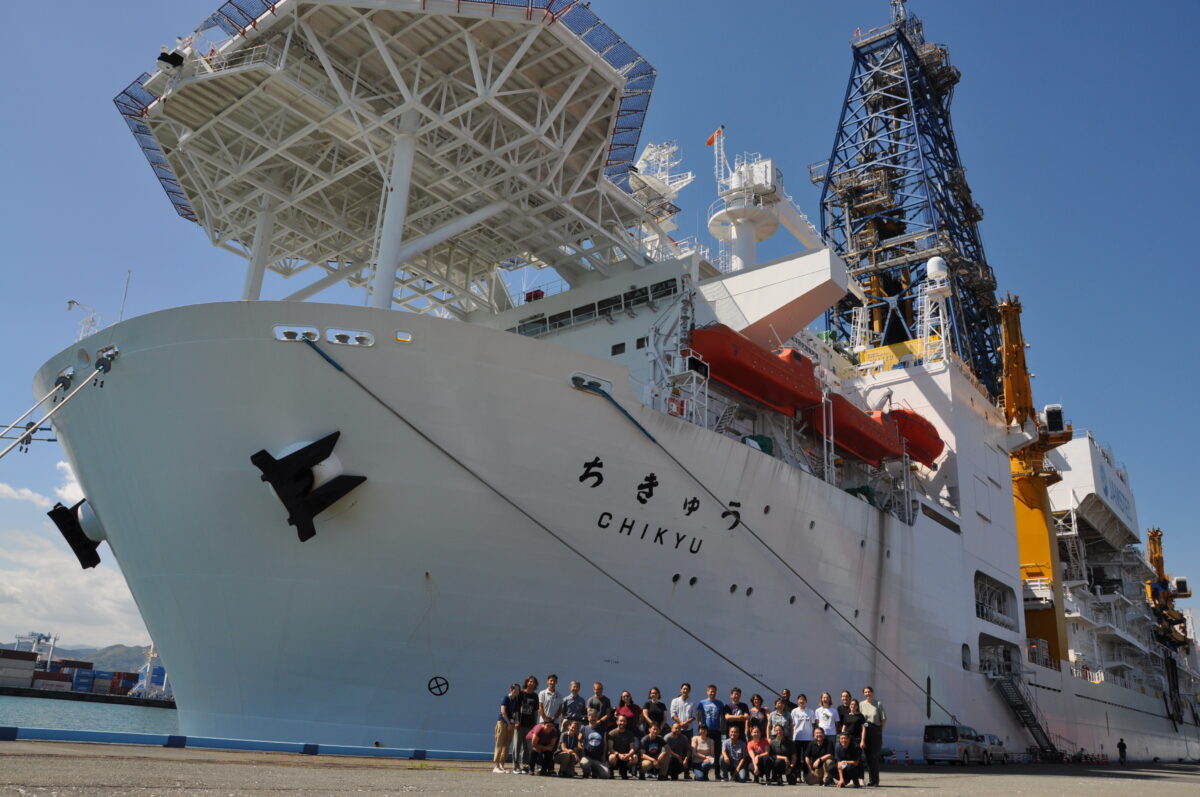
(857, 32)
(713, 138)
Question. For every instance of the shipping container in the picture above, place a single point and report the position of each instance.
(17, 681)
(75, 665)
(16, 672)
(52, 676)
(55, 686)
(17, 655)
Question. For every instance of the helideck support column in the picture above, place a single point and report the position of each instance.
(259, 251)
(394, 212)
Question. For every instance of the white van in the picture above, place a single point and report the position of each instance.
(954, 744)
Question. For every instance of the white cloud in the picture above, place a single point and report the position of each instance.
(42, 588)
(69, 492)
(25, 494)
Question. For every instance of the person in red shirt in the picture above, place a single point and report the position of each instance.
(544, 741)
(759, 750)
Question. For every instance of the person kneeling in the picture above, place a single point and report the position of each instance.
(704, 753)
(759, 751)
(677, 754)
(544, 741)
(849, 762)
(783, 756)
(623, 745)
(594, 752)
(818, 756)
(569, 751)
(734, 756)
(653, 752)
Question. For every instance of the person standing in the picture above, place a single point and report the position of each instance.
(875, 719)
(600, 703)
(825, 718)
(570, 750)
(574, 707)
(1121, 747)
(630, 710)
(786, 694)
(758, 717)
(842, 709)
(712, 712)
(802, 732)
(527, 716)
(683, 710)
(654, 711)
(550, 702)
(780, 717)
(854, 725)
(737, 713)
(505, 725)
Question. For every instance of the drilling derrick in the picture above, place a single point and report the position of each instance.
(894, 194)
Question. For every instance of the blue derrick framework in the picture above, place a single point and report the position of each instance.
(237, 17)
(894, 194)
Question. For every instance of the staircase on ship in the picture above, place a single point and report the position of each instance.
(1013, 691)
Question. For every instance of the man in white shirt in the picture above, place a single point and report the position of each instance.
(683, 711)
(550, 702)
(802, 732)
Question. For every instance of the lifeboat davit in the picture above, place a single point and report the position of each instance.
(859, 433)
(921, 438)
(784, 381)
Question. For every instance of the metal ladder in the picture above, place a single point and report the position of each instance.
(726, 418)
(1013, 692)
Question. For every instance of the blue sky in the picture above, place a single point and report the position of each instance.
(1074, 119)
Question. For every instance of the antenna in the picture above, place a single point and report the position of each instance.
(898, 11)
(125, 295)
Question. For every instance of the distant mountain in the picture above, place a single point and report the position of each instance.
(118, 658)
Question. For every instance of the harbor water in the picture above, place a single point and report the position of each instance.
(37, 712)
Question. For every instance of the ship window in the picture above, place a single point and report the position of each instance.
(966, 657)
(618, 348)
(661, 289)
(585, 313)
(609, 305)
(643, 342)
(404, 336)
(560, 320)
(637, 296)
(534, 325)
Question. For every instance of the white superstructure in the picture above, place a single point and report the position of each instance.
(493, 484)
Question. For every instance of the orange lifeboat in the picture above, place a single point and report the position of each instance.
(921, 438)
(867, 437)
(785, 382)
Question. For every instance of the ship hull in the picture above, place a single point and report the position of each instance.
(483, 547)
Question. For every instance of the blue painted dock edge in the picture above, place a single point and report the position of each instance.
(9, 733)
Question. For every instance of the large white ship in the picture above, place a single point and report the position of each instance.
(651, 471)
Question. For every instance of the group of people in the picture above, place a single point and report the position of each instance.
(550, 733)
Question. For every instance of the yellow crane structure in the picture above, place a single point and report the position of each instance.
(1161, 593)
(1030, 439)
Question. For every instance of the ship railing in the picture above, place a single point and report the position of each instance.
(215, 61)
(993, 615)
(1038, 652)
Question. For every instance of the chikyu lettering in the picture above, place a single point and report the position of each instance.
(655, 535)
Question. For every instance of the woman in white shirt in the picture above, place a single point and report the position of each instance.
(826, 717)
(704, 753)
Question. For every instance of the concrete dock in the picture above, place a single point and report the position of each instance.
(65, 768)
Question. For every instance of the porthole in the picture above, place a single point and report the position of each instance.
(856, 612)
(882, 618)
(675, 579)
(811, 524)
(749, 591)
(792, 599)
(827, 607)
(767, 509)
(732, 588)
(862, 544)
(888, 553)
(403, 336)
(692, 581)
